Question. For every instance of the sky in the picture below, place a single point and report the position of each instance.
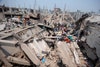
(71, 5)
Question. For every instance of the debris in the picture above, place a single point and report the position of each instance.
(31, 54)
(8, 43)
(2, 27)
(4, 60)
(18, 61)
(48, 39)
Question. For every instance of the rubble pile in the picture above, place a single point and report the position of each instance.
(52, 40)
(41, 47)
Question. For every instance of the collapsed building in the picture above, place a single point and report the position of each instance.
(52, 40)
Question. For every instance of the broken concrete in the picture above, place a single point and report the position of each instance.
(49, 40)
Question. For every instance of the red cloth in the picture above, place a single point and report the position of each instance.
(67, 40)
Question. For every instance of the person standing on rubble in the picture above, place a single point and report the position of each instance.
(8, 24)
(26, 20)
